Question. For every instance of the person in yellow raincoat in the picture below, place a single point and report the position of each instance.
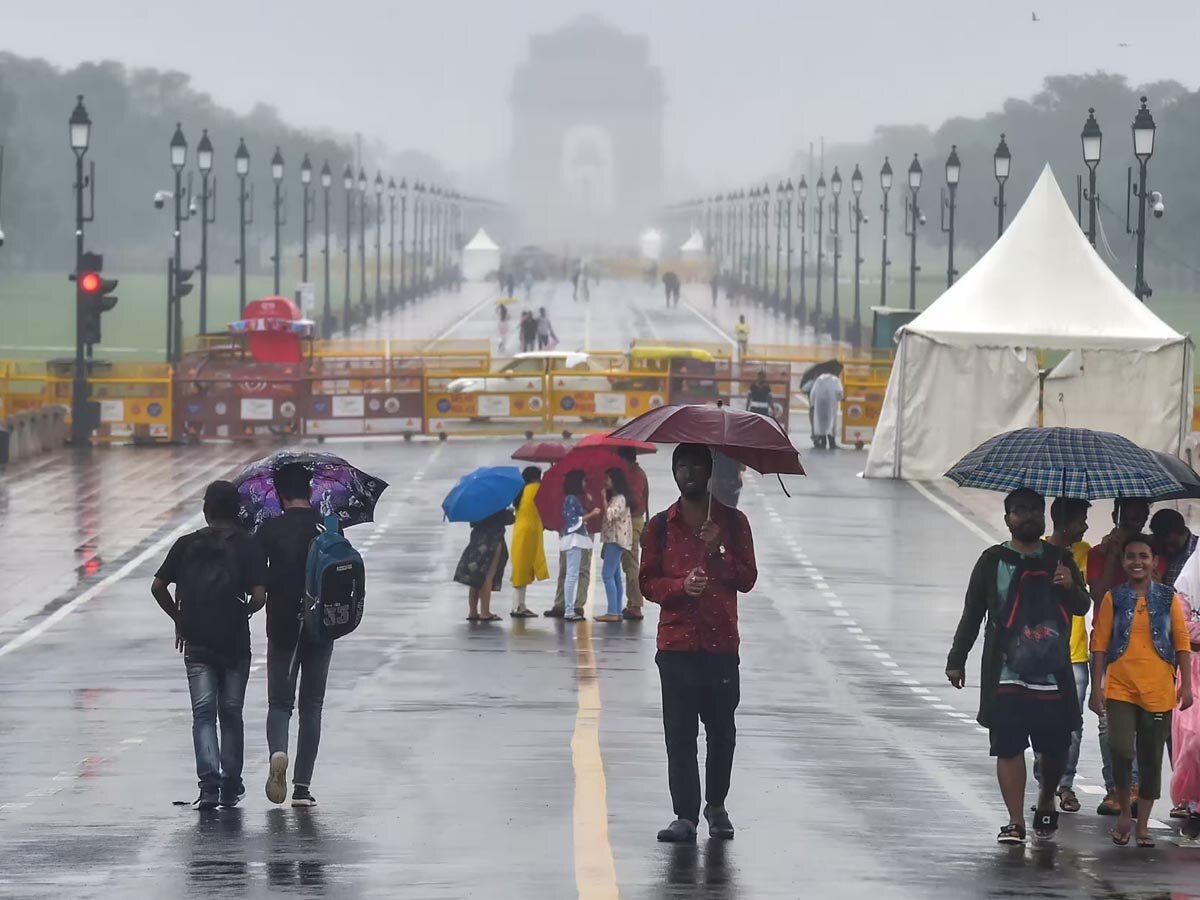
(528, 545)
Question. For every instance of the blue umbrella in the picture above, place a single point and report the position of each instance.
(1065, 462)
(483, 493)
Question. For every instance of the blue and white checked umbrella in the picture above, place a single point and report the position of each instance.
(1065, 462)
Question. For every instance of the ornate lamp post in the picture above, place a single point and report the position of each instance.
(1092, 139)
(885, 183)
(835, 185)
(179, 149)
(779, 198)
(914, 216)
(241, 167)
(766, 234)
(1143, 148)
(1001, 164)
(80, 131)
(802, 216)
(403, 220)
(820, 247)
(348, 188)
(857, 218)
(378, 246)
(788, 191)
(362, 244)
(327, 317)
(204, 161)
(309, 216)
(277, 177)
(391, 186)
(953, 171)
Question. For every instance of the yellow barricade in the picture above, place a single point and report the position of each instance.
(861, 406)
(135, 402)
(601, 400)
(491, 403)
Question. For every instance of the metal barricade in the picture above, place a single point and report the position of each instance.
(601, 400)
(365, 395)
(862, 403)
(239, 400)
(491, 403)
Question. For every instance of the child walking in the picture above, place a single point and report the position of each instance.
(1139, 637)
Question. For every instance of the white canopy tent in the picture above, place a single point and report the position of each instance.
(967, 367)
(480, 258)
(693, 247)
(650, 244)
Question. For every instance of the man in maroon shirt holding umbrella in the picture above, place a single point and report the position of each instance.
(696, 557)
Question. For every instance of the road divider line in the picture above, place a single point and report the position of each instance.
(953, 513)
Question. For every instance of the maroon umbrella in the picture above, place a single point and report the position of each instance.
(756, 440)
(594, 462)
(605, 439)
(542, 451)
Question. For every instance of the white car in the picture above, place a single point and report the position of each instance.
(535, 366)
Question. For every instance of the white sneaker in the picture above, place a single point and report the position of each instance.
(277, 779)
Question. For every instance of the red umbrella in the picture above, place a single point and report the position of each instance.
(756, 440)
(594, 462)
(605, 439)
(541, 451)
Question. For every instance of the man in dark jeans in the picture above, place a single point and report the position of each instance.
(697, 556)
(285, 540)
(214, 569)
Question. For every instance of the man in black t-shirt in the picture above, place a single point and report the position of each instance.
(214, 570)
(285, 540)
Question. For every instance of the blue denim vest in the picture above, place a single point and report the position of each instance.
(1158, 605)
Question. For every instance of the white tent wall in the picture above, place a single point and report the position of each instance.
(1122, 391)
(943, 400)
(480, 258)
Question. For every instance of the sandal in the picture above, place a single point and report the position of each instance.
(1011, 834)
(1045, 823)
(1119, 837)
(1067, 801)
(489, 618)
(528, 614)
(1146, 843)
(1180, 811)
(472, 618)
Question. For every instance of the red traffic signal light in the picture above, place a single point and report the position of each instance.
(89, 282)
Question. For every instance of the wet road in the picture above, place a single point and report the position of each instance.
(520, 759)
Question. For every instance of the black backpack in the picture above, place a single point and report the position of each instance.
(212, 612)
(1035, 631)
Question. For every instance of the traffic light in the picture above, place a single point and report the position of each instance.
(95, 296)
(182, 277)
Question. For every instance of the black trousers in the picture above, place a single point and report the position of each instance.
(698, 687)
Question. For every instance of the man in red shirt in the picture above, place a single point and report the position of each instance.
(697, 556)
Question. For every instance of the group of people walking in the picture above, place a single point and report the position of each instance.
(533, 332)
(1038, 662)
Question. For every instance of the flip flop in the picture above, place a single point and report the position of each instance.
(1146, 843)
(472, 618)
(1120, 838)
(492, 618)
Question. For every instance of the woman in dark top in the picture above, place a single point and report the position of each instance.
(481, 566)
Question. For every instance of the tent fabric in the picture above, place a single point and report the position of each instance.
(480, 257)
(481, 241)
(694, 244)
(967, 368)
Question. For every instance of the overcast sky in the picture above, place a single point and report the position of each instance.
(747, 82)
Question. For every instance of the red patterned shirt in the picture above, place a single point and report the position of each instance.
(707, 622)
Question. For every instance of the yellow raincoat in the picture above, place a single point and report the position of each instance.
(528, 544)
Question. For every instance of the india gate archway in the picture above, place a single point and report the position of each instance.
(586, 136)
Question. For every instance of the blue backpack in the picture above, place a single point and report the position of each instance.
(334, 584)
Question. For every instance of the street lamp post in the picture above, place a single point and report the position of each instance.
(739, 238)
(1143, 148)
(403, 219)
(327, 317)
(766, 236)
(820, 249)
(204, 161)
(348, 188)
(277, 177)
(788, 190)
(378, 246)
(1001, 164)
(1091, 138)
(953, 171)
(753, 209)
(179, 150)
(802, 194)
(241, 167)
(835, 185)
(362, 244)
(391, 186)
(856, 188)
(80, 129)
(309, 216)
(885, 183)
(914, 216)
(779, 197)
(419, 238)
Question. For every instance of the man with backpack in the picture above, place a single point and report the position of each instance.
(214, 570)
(292, 653)
(697, 556)
(1028, 590)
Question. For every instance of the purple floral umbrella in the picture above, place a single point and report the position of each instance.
(338, 488)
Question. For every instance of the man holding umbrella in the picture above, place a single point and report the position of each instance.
(696, 557)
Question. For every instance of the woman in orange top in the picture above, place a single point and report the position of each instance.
(1139, 636)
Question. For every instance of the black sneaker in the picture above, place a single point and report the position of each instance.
(302, 797)
(209, 798)
(719, 825)
(681, 831)
(232, 796)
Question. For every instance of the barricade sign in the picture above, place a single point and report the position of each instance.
(365, 395)
(496, 404)
(862, 403)
(239, 399)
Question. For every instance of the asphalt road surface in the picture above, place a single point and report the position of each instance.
(522, 758)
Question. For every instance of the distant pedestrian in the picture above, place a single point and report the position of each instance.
(1140, 635)
(575, 275)
(697, 556)
(1026, 589)
(714, 285)
(502, 327)
(545, 331)
(528, 544)
(639, 486)
(617, 536)
(759, 399)
(741, 333)
(292, 655)
(214, 571)
(529, 332)
(510, 285)
(825, 397)
(671, 286)
(574, 541)
(481, 566)
(1174, 541)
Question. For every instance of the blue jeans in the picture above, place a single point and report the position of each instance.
(218, 691)
(571, 582)
(312, 672)
(610, 574)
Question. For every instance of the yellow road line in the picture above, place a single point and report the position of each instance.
(595, 869)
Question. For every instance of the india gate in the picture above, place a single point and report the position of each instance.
(586, 135)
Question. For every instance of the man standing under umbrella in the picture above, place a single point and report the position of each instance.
(697, 556)
(1020, 702)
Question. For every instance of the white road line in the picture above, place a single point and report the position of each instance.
(721, 333)
(453, 328)
(953, 513)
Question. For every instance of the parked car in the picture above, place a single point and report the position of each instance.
(536, 365)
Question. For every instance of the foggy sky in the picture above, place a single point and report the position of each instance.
(747, 82)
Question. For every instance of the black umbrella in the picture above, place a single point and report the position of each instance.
(1181, 472)
(830, 367)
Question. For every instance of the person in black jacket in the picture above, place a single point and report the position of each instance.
(292, 655)
(1018, 708)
